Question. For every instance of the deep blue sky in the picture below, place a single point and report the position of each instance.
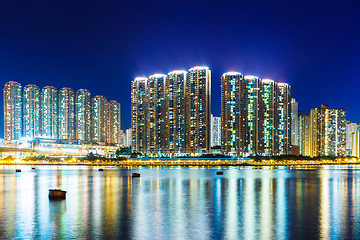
(103, 45)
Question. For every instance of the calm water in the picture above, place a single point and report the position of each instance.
(181, 203)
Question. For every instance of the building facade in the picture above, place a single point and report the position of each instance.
(12, 111)
(114, 135)
(304, 134)
(171, 113)
(175, 116)
(138, 114)
(215, 131)
(155, 116)
(327, 132)
(350, 135)
(356, 142)
(49, 112)
(83, 115)
(31, 111)
(100, 119)
(233, 113)
(198, 106)
(284, 113)
(66, 114)
(256, 115)
(294, 122)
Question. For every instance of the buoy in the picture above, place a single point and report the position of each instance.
(219, 173)
(18, 170)
(135, 175)
(100, 169)
(57, 194)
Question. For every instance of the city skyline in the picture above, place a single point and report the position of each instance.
(191, 119)
(103, 47)
(47, 113)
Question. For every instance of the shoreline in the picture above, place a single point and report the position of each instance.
(182, 164)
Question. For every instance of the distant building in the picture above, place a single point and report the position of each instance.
(233, 113)
(155, 114)
(139, 114)
(215, 131)
(12, 111)
(255, 115)
(126, 139)
(83, 115)
(327, 131)
(59, 115)
(350, 135)
(356, 142)
(198, 100)
(114, 135)
(175, 116)
(304, 134)
(66, 114)
(49, 112)
(100, 119)
(171, 113)
(31, 111)
(294, 123)
(128, 133)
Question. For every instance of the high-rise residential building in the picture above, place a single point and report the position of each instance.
(31, 111)
(128, 133)
(49, 112)
(294, 123)
(233, 113)
(155, 115)
(327, 131)
(255, 115)
(66, 120)
(198, 107)
(350, 134)
(12, 111)
(304, 134)
(284, 113)
(215, 131)
(175, 116)
(356, 142)
(100, 119)
(138, 114)
(269, 117)
(114, 136)
(126, 139)
(83, 115)
(171, 113)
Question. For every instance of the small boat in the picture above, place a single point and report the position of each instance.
(57, 194)
(219, 173)
(33, 168)
(18, 170)
(135, 175)
(100, 169)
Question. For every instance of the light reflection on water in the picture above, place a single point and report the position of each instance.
(181, 203)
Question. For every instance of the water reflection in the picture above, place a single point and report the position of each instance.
(181, 203)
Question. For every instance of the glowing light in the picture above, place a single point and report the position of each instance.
(250, 77)
(141, 79)
(157, 75)
(231, 73)
(267, 80)
(177, 72)
(198, 68)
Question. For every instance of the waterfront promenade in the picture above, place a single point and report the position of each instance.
(185, 162)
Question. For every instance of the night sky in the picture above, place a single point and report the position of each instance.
(103, 45)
